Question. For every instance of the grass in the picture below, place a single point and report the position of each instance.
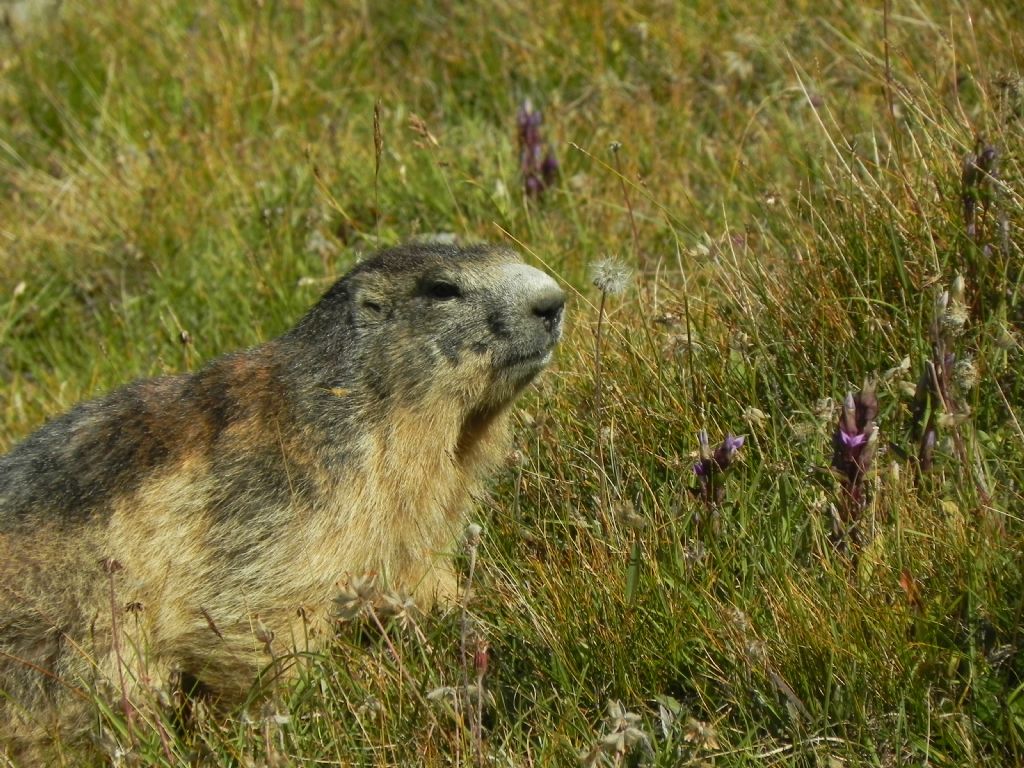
(789, 192)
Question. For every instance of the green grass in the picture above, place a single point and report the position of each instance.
(794, 180)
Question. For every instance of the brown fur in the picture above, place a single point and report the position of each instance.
(171, 526)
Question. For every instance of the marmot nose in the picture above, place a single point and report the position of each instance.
(548, 308)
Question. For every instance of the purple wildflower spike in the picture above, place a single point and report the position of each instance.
(537, 162)
(713, 465)
(852, 452)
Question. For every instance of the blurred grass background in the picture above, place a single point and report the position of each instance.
(785, 180)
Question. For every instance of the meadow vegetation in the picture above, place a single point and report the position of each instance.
(795, 222)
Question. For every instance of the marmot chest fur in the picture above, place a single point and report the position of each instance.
(228, 506)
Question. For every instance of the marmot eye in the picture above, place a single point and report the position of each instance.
(442, 290)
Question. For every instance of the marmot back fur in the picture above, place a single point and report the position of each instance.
(224, 507)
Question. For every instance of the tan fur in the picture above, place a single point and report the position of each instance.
(219, 515)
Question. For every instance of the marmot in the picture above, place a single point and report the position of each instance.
(195, 523)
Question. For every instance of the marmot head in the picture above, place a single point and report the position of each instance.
(422, 324)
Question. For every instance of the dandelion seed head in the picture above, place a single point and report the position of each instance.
(610, 275)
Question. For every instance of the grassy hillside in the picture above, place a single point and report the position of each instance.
(812, 200)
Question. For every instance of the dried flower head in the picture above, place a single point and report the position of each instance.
(755, 417)
(624, 734)
(954, 316)
(625, 513)
(945, 377)
(481, 655)
(1010, 86)
(610, 275)
(357, 597)
(897, 371)
(449, 698)
(965, 374)
(1006, 339)
(264, 634)
(617, 718)
(700, 734)
(317, 243)
(371, 708)
(401, 607)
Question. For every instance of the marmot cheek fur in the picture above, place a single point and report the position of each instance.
(244, 495)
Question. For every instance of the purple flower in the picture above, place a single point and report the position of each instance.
(852, 453)
(733, 444)
(713, 465)
(726, 452)
(549, 168)
(537, 162)
(852, 441)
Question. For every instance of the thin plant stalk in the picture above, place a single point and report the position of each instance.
(598, 404)
(615, 147)
(472, 545)
(112, 567)
(610, 276)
